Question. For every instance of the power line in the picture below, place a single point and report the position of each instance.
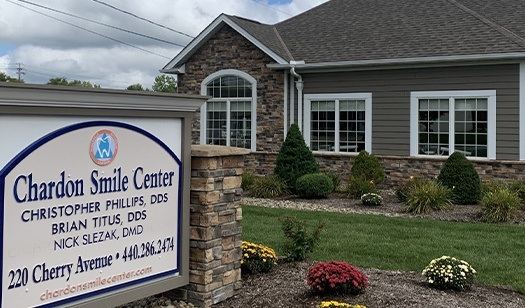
(20, 71)
(90, 31)
(269, 6)
(142, 18)
(99, 23)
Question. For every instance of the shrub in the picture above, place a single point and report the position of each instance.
(371, 199)
(334, 304)
(359, 185)
(458, 174)
(248, 179)
(401, 191)
(336, 278)
(449, 273)
(257, 258)
(294, 159)
(299, 242)
(425, 195)
(268, 187)
(315, 185)
(336, 179)
(491, 186)
(367, 166)
(499, 205)
(518, 187)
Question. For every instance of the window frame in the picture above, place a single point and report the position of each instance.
(490, 95)
(367, 97)
(228, 100)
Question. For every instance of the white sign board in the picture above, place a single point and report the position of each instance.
(88, 209)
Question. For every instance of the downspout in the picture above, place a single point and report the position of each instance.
(299, 86)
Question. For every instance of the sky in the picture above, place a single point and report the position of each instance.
(79, 39)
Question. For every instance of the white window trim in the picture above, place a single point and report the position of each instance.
(522, 110)
(490, 95)
(253, 127)
(308, 98)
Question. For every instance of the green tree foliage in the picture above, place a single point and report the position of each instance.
(165, 83)
(314, 185)
(294, 159)
(62, 81)
(6, 78)
(458, 174)
(136, 87)
(367, 166)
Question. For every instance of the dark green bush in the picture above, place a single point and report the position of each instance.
(359, 185)
(425, 195)
(315, 185)
(294, 159)
(499, 206)
(248, 179)
(367, 166)
(458, 174)
(268, 187)
(299, 241)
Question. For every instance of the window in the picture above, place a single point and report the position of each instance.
(340, 123)
(228, 118)
(458, 121)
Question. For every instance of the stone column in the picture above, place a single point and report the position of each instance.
(215, 224)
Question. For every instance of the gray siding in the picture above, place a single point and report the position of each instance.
(391, 99)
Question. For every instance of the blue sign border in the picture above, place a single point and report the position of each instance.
(62, 131)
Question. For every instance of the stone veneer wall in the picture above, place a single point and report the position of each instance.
(398, 169)
(229, 50)
(215, 225)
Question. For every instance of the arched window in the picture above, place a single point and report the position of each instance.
(228, 118)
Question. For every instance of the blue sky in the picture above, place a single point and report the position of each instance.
(49, 46)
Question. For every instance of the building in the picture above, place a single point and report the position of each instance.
(410, 81)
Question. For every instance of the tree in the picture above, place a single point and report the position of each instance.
(165, 83)
(62, 81)
(294, 159)
(5, 78)
(136, 87)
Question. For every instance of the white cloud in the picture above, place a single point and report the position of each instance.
(49, 48)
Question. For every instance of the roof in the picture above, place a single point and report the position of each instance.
(362, 31)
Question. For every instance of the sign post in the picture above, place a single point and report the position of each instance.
(94, 208)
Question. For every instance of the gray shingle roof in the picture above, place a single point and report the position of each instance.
(353, 30)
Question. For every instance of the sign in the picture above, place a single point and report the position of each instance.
(89, 209)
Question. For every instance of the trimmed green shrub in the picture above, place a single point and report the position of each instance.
(257, 258)
(368, 166)
(299, 241)
(294, 159)
(458, 174)
(424, 196)
(315, 185)
(449, 273)
(359, 185)
(499, 206)
(268, 187)
(248, 179)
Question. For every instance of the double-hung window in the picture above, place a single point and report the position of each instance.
(339, 123)
(228, 117)
(443, 122)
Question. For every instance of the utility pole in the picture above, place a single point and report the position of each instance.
(20, 71)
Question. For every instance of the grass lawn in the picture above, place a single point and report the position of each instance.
(497, 252)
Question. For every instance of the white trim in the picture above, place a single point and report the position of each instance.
(451, 96)
(292, 99)
(308, 98)
(285, 128)
(253, 127)
(522, 111)
(209, 31)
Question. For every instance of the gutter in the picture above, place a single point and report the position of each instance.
(402, 62)
(299, 85)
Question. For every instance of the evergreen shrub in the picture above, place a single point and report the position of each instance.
(359, 185)
(315, 185)
(459, 174)
(367, 166)
(295, 159)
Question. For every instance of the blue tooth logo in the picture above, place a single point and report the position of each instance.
(103, 147)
